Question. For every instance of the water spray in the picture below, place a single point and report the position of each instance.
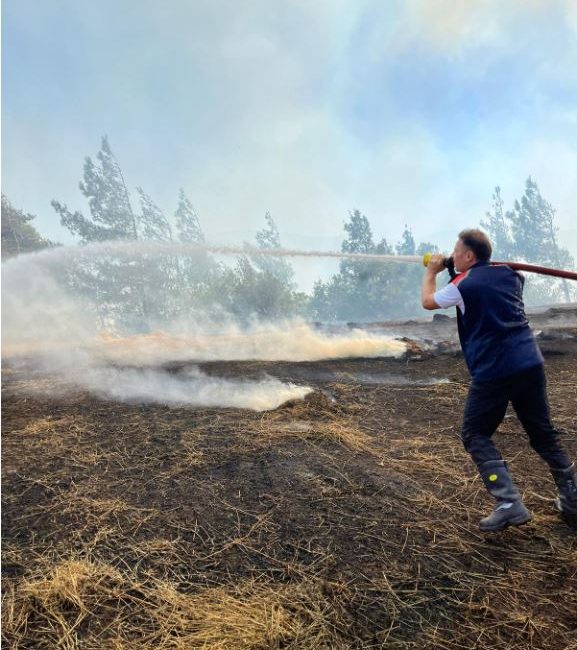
(130, 248)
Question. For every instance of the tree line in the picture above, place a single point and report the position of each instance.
(140, 292)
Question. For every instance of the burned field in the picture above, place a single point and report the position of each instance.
(345, 520)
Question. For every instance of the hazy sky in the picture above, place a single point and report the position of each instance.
(409, 110)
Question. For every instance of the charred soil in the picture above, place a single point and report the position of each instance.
(346, 520)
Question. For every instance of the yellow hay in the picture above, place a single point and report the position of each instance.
(78, 592)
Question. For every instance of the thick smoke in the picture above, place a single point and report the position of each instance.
(43, 321)
(288, 341)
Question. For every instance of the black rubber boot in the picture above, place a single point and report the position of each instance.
(566, 481)
(509, 510)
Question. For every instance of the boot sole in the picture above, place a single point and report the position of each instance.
(517, 521)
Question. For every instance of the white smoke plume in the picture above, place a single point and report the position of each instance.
(289, 341)
(41, 320)
(192, 387)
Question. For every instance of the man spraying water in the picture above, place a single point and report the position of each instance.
(506, 365)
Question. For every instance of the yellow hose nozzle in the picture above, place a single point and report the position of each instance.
(426, 259)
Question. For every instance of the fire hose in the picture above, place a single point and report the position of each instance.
(449, 264)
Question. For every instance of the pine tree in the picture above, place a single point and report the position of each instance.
(359, 240)
(408, 276)
(407, 244)
(371, 290)
(160, 273)
(496, 227)
(530, 219)
(187, 223)
(277, 267)
(264, 284)
(534, 238)
(115, 284)
(103, 185)
(362, 289)
(18, 233)
(203, 283)
(359, 235)
(426, 247)
(528, 233)
(152, 224)
(345, 295)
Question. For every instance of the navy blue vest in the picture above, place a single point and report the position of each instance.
(495, 336)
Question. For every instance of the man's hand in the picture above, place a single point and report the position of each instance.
(436, 264)
(429, 287)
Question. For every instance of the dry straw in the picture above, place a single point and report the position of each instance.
(347, 520)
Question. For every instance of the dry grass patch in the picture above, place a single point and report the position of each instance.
(315, 417)
(81, 603)
(344, 432)
(49, 424)
(193, 456)
(76, 501)
(45, 439)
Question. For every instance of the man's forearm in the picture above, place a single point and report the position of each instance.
(428, 289)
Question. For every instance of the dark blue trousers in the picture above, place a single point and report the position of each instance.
(485, 409)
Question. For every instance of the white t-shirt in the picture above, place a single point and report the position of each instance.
(449, 296)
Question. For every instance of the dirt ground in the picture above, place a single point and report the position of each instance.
(347, 520)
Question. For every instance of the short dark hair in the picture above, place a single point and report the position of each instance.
(478, 242)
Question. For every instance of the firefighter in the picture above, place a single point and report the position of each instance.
(506, 365)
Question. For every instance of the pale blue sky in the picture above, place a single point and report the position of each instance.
(411, 111)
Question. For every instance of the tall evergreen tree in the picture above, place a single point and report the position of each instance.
(408, 276)
(159, 272)
(278, 267)
(359, 237)
(111, 213)
(407, 244)
(535, 240)
(371, 290)
(187, 223)
(204, 284)
(530, 226)
(528, 233)
(497, 228)
(152, 224)
(116, 284)
(362, 290)
(263, 284)
(18, 233)
(359, 240)
(260, 294)
(427, 247)
(345, 295)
